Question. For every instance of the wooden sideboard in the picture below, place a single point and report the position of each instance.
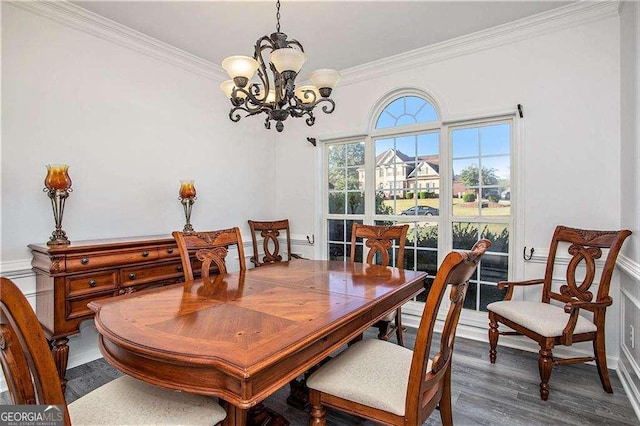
(69, 277)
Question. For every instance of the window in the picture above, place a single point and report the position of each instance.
(396, 175)
(481, 170)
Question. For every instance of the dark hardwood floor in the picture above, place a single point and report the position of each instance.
(483, 394)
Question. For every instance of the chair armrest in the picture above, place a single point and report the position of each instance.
(573, 309)
(512, 284)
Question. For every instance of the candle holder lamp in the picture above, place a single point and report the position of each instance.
(187, 198)
(58, 187)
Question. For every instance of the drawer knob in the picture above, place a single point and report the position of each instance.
(84, 260)
(179, 268)
(170, 250)
(132, 276)
(93, 283)
(145, 253)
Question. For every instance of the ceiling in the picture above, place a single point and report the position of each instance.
(335, 34)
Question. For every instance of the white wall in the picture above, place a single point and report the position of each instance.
(130, 126)
(566, 74)
(630, 199)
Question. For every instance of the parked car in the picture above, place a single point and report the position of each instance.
(421, 210)
(491, 193)
(506, 195)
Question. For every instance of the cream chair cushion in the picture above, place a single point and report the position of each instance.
(543, 318)
(128, 401)
(371, 372)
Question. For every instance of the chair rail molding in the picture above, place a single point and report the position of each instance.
(629, 267)
(564, 17)
(81, 19)
(16, 269)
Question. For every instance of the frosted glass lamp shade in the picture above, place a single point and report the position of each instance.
(240, 66)
(227, 87)
(325, 78)
(304, 94)
(287, 59)
(271, 97)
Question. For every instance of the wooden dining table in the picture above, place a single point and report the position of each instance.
(244, 335)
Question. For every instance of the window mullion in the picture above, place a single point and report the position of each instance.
(369, 181)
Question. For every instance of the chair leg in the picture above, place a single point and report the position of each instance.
(446, 413)
(399, 327)
(545, 362)
(493, 338)
(317, 410)
(600, 353)
(383, 329)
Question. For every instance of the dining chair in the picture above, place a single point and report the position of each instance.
(379, 240)
(32, 379)
(391, 384)
(269, 231)
(562, 323)
(209, 247)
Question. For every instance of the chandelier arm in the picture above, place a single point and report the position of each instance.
(311, 119)
(250, 101)
(263, 44)
(328, 109)
(294, 43)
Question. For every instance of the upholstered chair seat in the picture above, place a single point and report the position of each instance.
(128, 401)
(372, 372)
(542, 318)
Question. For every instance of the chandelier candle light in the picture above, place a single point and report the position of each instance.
(57, 185)
(276, 96)
(187, 197)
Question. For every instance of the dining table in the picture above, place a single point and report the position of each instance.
(242, 336)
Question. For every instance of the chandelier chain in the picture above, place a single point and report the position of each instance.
(278, 16)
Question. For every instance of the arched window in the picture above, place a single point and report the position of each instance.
(451, 192)
(406, 110)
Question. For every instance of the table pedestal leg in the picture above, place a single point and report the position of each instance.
(258, 415)
(265, 416)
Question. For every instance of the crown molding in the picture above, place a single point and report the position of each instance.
(81, 19)
(554, 20)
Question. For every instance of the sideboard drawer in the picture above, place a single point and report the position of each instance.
(168, 253)
(104, 260)
(77, 308)
(156, 272)
(83, 285)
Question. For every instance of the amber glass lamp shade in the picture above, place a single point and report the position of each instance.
(57, 177)
(187, 189)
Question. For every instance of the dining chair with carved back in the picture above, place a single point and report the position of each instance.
(380, 242)
(269, 232)
(391, 384)
(32, 379)
(210, 248)
(556, 319)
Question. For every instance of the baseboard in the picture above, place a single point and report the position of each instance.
(628, 384)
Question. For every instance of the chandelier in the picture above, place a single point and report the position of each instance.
(276, 93)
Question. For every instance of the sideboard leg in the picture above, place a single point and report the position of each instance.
(60, 351)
